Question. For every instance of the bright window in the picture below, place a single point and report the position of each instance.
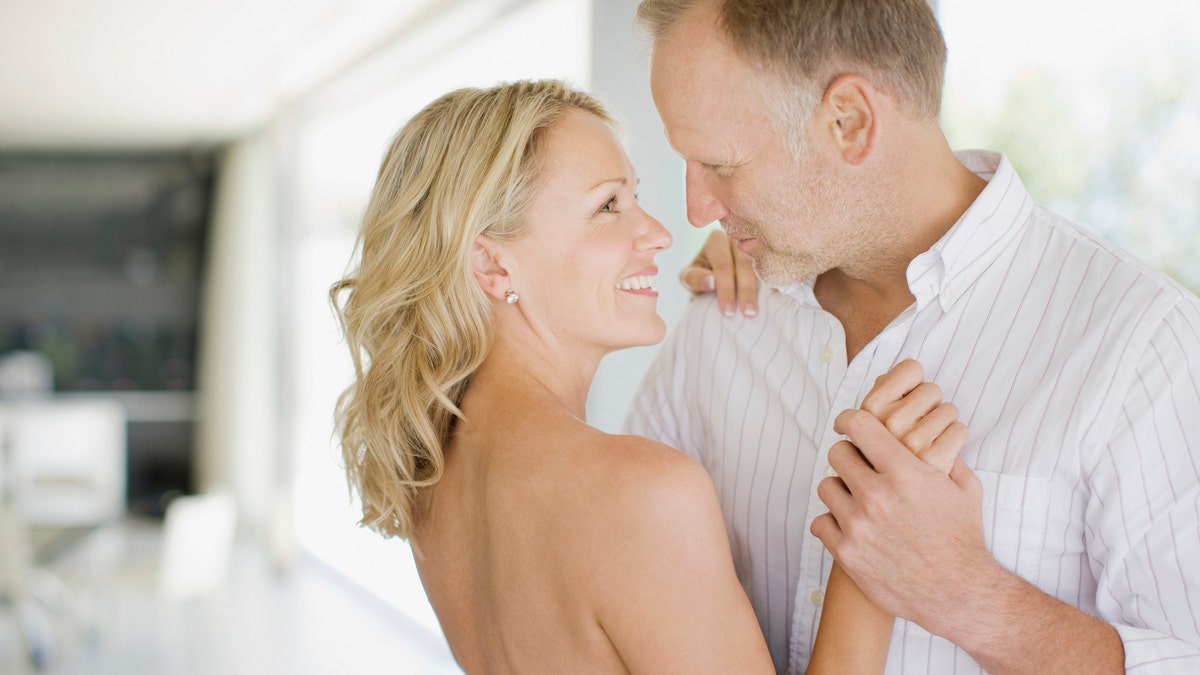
(1097, 104)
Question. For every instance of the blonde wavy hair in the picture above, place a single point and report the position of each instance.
(415, 320)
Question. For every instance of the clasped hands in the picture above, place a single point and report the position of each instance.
(905, 513)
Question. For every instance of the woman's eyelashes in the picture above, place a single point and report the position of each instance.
(610, 206)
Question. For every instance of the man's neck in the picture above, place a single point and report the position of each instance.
(863, 308)
(867, 297)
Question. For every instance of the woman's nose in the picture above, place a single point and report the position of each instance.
(655, 237)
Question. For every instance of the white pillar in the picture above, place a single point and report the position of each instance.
(236, 446)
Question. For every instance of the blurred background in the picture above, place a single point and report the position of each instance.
(180, 183)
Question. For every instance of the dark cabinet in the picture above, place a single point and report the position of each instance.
(101, 258)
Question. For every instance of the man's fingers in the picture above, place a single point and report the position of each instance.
(835, 495)
(849, 464)
(825, 527)
(892, 386)
(838, 498)
(877, 445)
(943, 451)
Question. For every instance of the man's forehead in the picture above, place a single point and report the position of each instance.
(697, 26)
(698, 73)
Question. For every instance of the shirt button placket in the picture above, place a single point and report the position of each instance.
(817, 597)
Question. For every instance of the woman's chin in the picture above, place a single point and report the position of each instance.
(654, 334)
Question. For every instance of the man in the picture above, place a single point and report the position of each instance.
(1072, 542)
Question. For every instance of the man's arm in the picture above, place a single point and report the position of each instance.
(915, 544)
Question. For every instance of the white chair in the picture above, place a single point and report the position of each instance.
(62, 466)
(66, 462)
(25, 374)
(199, 532)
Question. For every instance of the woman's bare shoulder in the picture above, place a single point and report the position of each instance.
(641, 490)
(604, 485)
(661, 558)
(636, 471)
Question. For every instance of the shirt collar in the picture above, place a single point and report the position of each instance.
(968, 248)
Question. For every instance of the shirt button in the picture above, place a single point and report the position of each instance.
(817, 597)
(827, 355)
(949, 293)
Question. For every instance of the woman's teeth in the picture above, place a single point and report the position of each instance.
(637, 283)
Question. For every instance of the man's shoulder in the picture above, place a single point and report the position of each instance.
(1113, 267)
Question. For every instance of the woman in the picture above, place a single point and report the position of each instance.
(503, 254)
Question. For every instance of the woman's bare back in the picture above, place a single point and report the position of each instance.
(549, 547)
(501, 548)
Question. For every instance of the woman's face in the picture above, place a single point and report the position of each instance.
(585, 267)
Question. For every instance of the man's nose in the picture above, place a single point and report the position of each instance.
(703, 206)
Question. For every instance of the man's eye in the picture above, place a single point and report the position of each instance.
(609, 206)
(721, 170)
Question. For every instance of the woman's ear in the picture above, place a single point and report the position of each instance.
(853, 122)
(490, 273)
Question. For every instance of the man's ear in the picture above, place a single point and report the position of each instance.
(853, 123)
(490, 273)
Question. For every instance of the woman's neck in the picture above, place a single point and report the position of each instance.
(536, 375)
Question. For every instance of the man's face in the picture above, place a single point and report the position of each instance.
(786, 212)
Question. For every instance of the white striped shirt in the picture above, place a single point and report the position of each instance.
(1077, 371)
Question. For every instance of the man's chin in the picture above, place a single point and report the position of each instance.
(750, 246)
(777, 273)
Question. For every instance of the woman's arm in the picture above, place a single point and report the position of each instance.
(854, 635)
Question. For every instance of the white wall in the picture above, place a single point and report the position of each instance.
(620, 76)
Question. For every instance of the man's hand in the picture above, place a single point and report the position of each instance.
(904, 530)
(911, 537)
(721, 267)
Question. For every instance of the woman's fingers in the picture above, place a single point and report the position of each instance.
(943, 451)
(720, 267)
